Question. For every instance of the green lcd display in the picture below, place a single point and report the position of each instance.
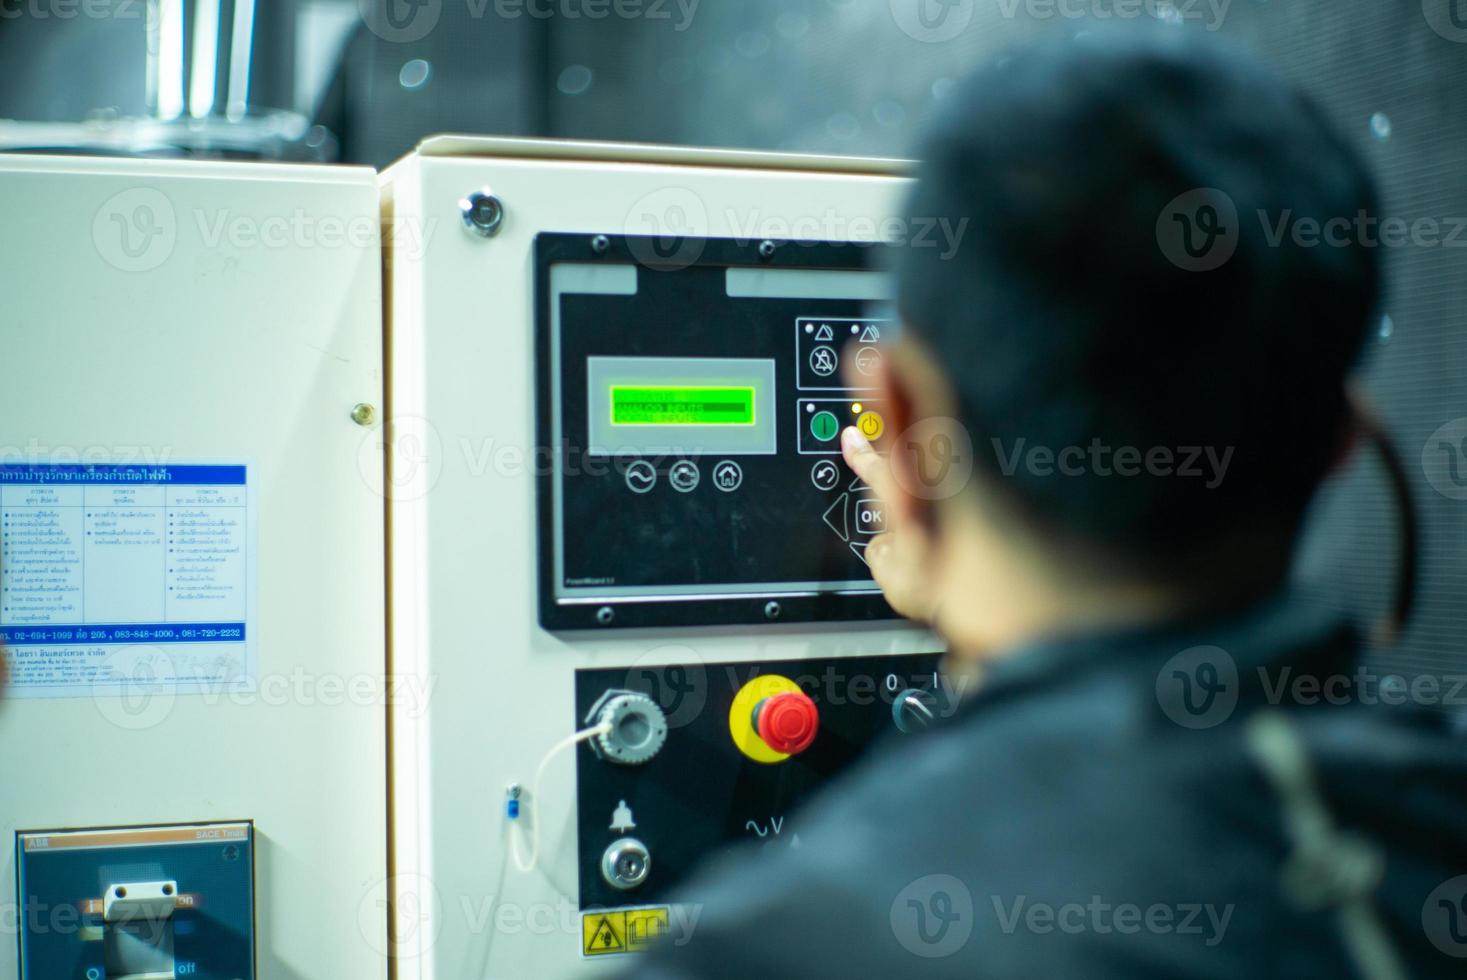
(681, 405)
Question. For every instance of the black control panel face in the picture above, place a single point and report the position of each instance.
(695, 414)
(713, 783)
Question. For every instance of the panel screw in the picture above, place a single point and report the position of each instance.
(605, 615)
(600, 244)
(364, 414)
(767, 249)
(771, 610)
(483, 213)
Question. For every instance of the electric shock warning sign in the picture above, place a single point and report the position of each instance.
(126, 577)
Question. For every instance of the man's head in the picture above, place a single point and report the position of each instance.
(1149, 360)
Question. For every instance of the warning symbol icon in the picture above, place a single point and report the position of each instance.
(871, 335)
(603, 938)
(824, 335)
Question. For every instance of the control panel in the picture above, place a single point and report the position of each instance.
(721, 755)
(695, 415)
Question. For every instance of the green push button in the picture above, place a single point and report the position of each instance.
(824, 426)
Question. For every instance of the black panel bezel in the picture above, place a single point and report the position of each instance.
(551, 248)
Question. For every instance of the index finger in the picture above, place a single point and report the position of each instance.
(866, 463)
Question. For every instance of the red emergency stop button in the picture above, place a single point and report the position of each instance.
(787, 722)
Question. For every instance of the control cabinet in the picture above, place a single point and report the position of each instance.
(625, 551)
(191, 571)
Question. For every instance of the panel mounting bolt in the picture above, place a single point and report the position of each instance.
(767, 249)
(605, 615)
(483, 213)
(364, 414)
(600, 244)
(771, 610)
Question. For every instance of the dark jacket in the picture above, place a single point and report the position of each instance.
(1126, 805)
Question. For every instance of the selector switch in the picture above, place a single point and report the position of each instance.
(787, 722)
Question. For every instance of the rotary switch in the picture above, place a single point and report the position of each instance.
(635, 727)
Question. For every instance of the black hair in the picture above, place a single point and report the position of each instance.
(1133, 274)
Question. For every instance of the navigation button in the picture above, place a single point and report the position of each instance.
(835, 517)
(641, 477)
(684, 476)
(825, 475)
(870, 516)
(728, 476)
(824, 360)
(859, 548)
(824, 426)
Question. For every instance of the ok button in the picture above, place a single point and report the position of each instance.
(870, 516)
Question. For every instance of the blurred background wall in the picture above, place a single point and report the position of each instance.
(363, 80)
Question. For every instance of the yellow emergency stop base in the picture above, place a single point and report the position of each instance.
(741, 716)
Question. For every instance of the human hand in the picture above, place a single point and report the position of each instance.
(895, 555)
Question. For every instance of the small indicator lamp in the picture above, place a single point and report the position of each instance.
(856, 409)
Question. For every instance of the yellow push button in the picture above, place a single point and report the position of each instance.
(872, 425)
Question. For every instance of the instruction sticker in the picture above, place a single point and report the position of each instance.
(126, 578)
(622, 931)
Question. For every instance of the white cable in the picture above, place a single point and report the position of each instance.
(526, 866)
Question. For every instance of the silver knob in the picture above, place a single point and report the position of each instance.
(915, 710)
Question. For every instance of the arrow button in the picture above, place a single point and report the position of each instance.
(837, 512)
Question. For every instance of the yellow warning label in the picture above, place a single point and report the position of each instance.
(604, 932)
(625, 931)
(645, 927)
